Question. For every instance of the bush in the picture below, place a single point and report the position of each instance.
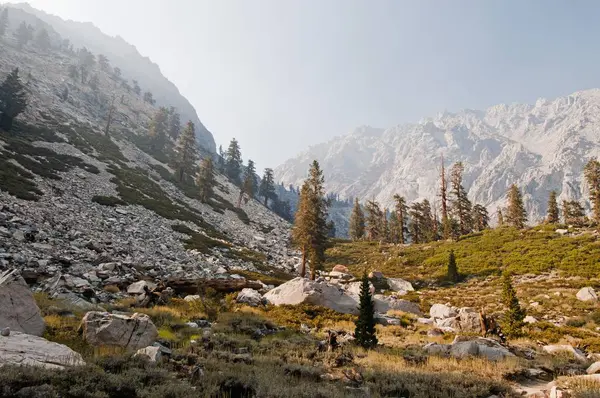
(110, 201)
(576, 322)
(595, 316)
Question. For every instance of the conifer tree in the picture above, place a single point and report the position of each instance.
(515, 213)
(481, 219)
(401, 215)
(221, 159)
(233, 162)
(374, 219)
(592, 176)
(573, 213)
(206, 179)
(428, 227)
(552, 214)
(514, 314)
(416, 222)
(23, 34)
(356, 229)
(117, 72)
(149, 98)
(267, 186)
(136, 87)
(385, 226)
(3, 21)
(365, 333)
(444, 195)
(186, 152)
(318, 209)
(103, 62)
(452, 268)
(302, 226)
(249, 185)
(13, 99)
(174, 123)
(461, 206)
(500, 217)
(86, 62)
(331, 229)
(394, 228)
(94, 82)
(158, 128)
(42, 39)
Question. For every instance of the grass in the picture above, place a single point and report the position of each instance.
(488, 253)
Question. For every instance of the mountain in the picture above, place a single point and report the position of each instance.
(125, 56)
(539, 147)
(86, 210)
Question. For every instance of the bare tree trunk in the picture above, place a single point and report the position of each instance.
(303, 267)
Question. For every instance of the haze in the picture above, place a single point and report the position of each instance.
(282, 75)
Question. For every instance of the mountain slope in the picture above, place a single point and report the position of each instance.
(125, 56)
(540, 147)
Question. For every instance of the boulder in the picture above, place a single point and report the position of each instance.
(400, 285)
(557, 348)
(384, 304)
(138, 287)
(468, 320)
(191, 297)
(437, 349)
(340, 268)
(593, 368)
(340, 275)
(25, 349)
(376, 275)
(529, 319)
(131, 332)
(587, 294)
(18, 309)
(304, 291)
(442, 311)
(250, 297)
(486, 348)
(562, 231)
(353, 288)
(153, 353)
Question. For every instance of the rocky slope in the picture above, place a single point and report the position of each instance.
(540, 147)
(81, 211)
(120, 54)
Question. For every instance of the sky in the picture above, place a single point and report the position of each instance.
(280, 75)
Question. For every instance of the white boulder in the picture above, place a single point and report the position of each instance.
(442, 311)
(384, 304)
(131, 332)
(28, 350)
(593, 368)
(353, 288)
(153, 353)
(529, 319)
(400, 285)
(557, 348)
(587, 294)
(138, 287)
(250, 297)
(18, 309)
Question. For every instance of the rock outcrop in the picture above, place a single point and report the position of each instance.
(131, 332)
(28, 350)
(399, 286)
(463, 347)
(18, 309)
(250, 297)
(587, 294)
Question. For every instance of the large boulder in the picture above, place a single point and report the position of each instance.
(138, 287)
(250, 297)
(468, 320)
(562, 348)
(593, 368)
(587, 294)
(353, 288)
(131, 332)
(400, 285)
(442, 311)
(18, 309)
(304, 291)
(464, 347)
(384, 304)
(28, 350)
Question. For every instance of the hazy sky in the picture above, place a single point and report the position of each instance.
(280, 75)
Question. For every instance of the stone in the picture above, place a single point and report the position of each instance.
(376, 275)
(425, 321)
(482, 347)
(340, 268)
(435, 333)
(557, 348)
(555, 392)
(18, 309)
(437, 349)
(353, 288)
(529, 319)
(191, 297)
(400, 285)
(151, 352)
(340, 275)
(304, 291)
(138, 287)
(131, 332)
(384, 304)
(28, 350)
(562, 231)
(442, 311)
(5, 332)
(192, 325)
(587, 294)
(468, 320)
(249, 296)
(387, 320)
(593, 368)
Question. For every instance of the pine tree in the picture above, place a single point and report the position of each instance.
(428, 227)
(500, 217)
(249, 186)
(514, 315)
(267, 186)
(552, 215)
(394, 228)
(233, 162)
(42, 39)
(401, 214)
(461, 206)
(103, 62)
(385, 226)
(86, 62)
(23, 34)
(174, 123)
(94, 82)
(136, 87)
(221, 159)
(186, 152)
(13, 99)
(117, 72)
(206, 179)
(302, 226)
(444, 195)
(515, 214)
(452, 268)
(331, 229)
(158, 128)
(374, 219)
(356, 229)
(364, 333)
(73, 72)
(149, 98)
(3, 21)
(573, 213)
(592, 175)
(481, 219)
(416, 222)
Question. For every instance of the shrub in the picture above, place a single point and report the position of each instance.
(110, 201)
(576, 322)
